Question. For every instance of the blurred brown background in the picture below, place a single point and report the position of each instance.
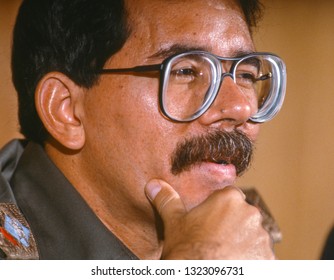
(295, 152)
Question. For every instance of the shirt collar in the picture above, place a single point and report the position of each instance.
(63, 224)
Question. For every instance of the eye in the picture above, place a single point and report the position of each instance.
(185, 75)
(246, 78)
(184, 72)
(248, 71)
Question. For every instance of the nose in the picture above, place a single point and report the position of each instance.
(230, 109)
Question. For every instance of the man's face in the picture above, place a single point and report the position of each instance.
(128, 140)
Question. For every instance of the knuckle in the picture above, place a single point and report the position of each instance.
(164, 200)
(255, 213)
(233, 193)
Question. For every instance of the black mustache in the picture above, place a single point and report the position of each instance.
(216, 146)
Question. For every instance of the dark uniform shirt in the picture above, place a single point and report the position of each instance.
(63, 225)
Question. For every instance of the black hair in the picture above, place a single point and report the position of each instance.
(75, 37)
(253, 11)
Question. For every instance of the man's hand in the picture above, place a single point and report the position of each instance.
(224, 226)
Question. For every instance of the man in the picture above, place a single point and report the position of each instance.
(126, 162)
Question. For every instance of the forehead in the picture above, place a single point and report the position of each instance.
(217, 26)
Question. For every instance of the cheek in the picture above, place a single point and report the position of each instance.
(123, 101)
(139, 98)
(252, 130)
(125, 121)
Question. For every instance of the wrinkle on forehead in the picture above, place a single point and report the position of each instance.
(218, 24)
(156, 8)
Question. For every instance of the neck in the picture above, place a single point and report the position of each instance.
(141, 239)
(134, 226)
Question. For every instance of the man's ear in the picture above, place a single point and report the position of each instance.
(58, 101)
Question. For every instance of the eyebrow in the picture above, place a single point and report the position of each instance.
(176, 49)
(179, 48)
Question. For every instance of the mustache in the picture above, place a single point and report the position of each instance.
(217, 146)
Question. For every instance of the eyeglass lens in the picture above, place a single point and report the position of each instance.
(191, 83)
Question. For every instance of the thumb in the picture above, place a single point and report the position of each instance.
(165, 199)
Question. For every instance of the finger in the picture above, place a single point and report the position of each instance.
(228, 193)
(233, 190)
(165, 199)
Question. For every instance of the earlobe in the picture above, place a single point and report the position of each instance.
(58, 101)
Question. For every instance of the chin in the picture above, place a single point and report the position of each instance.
(194, 195)
(196, 185)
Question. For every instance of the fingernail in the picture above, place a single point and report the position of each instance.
(152, 189)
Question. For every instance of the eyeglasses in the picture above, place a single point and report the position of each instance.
(190, 82)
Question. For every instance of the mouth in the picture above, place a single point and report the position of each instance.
(221, 158)
(218, 173)
(219, 147)
(220, 161)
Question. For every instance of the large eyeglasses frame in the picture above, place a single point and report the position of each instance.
(273, 102)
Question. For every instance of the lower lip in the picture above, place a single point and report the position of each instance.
(224, 173)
